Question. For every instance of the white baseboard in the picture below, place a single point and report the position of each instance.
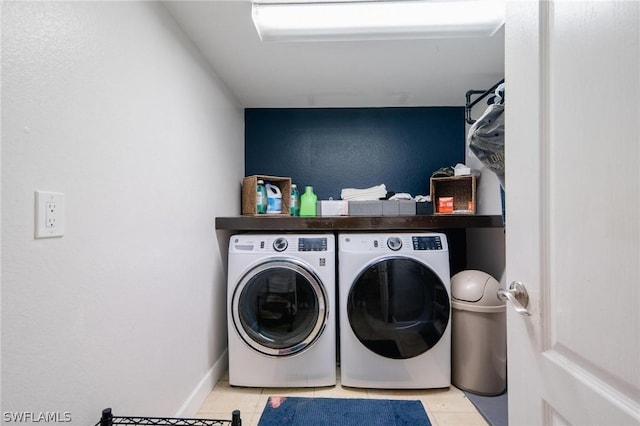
(197, 397)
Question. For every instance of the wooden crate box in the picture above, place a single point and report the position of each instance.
(456, 192)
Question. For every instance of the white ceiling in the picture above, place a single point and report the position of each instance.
(435, 72)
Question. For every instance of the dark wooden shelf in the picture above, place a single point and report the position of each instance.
(357, 223)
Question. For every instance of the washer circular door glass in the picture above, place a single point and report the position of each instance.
(398, 308)
(280, 307)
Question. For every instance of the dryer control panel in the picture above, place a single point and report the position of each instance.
(393, 243)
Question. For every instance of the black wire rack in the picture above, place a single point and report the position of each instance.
(108, 419)
(483, 94)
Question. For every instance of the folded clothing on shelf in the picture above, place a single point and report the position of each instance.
(367, 194)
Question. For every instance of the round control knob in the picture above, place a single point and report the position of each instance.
(394, 243)
(280, 244)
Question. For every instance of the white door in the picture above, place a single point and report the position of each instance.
(573, 211)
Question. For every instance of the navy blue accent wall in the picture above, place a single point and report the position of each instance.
(336, 148)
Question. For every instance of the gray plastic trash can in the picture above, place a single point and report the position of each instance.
(478, 329)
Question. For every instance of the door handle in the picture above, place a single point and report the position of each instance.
(518, 296)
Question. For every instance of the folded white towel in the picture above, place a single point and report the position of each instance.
(367, 194)
(401, 196)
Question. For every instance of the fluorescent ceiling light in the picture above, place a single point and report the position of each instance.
(322, 20)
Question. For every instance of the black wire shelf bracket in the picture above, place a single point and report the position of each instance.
(108, 419)
(482, 94)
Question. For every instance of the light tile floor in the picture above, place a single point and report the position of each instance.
(445, 407)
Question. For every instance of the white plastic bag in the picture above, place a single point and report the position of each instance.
(486, 140)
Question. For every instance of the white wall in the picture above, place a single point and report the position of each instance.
(109, 103)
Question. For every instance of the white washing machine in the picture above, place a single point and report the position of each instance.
(281, 313)
(395, 310)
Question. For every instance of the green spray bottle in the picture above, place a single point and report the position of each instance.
(308, 202)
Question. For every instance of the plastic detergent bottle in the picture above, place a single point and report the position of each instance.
(294, 206)
(308, 202)
(274, 199)
(261, 198)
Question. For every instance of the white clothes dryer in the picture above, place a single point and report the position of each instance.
(281, 313)
(395, 309)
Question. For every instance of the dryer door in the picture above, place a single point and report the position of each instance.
(398, 308)
(280, 307)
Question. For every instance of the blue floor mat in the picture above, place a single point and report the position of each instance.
(295, 411)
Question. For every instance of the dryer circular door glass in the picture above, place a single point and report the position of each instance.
(398, 308)
(280, 307)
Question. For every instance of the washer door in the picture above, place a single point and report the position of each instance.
(280, 307)
(398, 308)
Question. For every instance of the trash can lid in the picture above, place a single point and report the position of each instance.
(475, 288)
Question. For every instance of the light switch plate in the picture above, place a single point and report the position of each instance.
(49, 214)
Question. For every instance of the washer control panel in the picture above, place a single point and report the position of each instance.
(427, 243)
(307, 243)
(312, 244)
